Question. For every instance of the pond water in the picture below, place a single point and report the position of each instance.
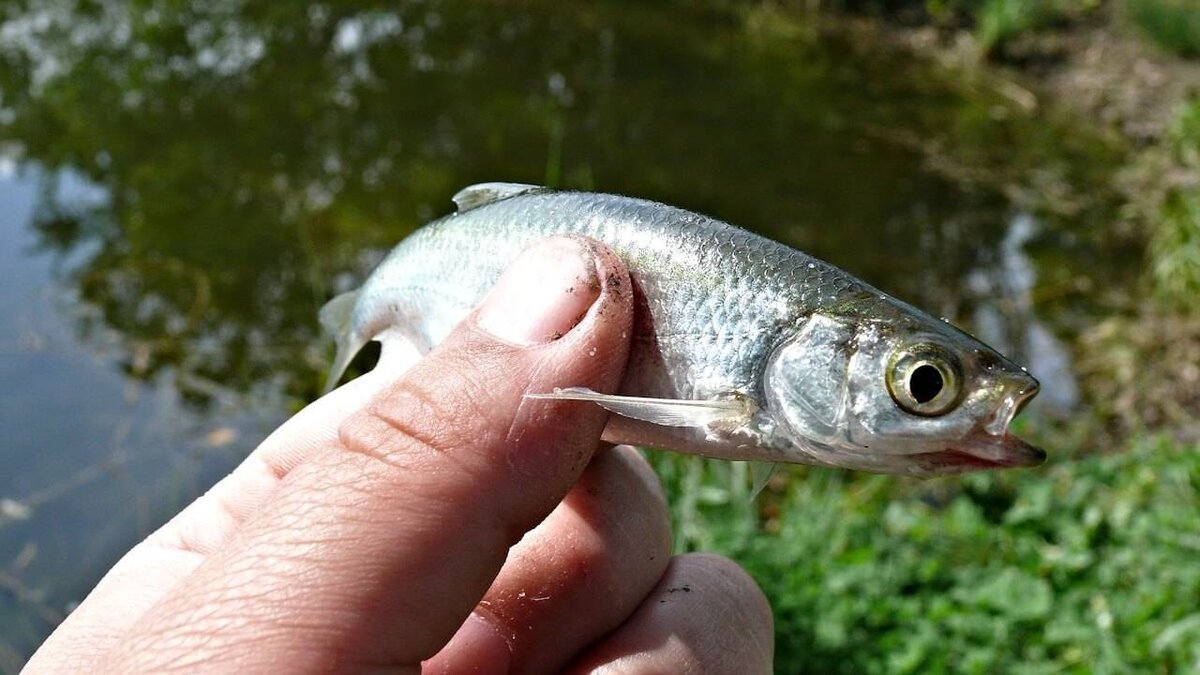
(182, 188)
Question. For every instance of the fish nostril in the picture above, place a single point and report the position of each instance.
(1027, 388)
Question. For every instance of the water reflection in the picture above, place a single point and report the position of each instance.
(250, 154)
(256, 158)
(92, 460)
(1005, 317)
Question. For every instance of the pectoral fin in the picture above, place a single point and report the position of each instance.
(336, 316)
(666, 412)
(760, 473)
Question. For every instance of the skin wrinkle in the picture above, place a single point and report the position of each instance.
(409, 405)
(419, 513)
(191, 644)
(234, 592)
(209, 620)
(288, 446)
(185, 629)
(468, 396)
(278, 469)
(567, 581)
(534, 414)
(428, 503)
(189, 637)
(670, 633)
(401, 439)
(513, 537)
(485, 610)
(353, 563)
(191, 539)
(190, 534)
(429, 526)
(318, 516)
(178, 543)
(537, 414)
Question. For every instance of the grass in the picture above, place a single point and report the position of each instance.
(1176, 248)
(1085, 566)
(999, 21)
(1173, 25)
(1175, 245)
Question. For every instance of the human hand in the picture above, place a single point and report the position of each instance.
(438, 518)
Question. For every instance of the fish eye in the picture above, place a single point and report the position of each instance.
(925, 380)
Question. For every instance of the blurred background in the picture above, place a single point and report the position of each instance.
(183, 184)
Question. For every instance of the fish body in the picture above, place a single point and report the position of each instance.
(743, 348)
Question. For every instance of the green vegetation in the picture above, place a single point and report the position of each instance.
(1173, 25)
(1175, 248)
(994, 22)
(1085, 566)
(381, 153)
(999, 21)
(243, 191)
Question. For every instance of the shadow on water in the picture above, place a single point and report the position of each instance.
(257, 159)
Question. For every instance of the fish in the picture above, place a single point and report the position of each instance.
(742, 349)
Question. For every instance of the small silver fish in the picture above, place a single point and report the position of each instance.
(743, 349)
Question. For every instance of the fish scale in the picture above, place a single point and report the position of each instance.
(743, 348)
(688, 267)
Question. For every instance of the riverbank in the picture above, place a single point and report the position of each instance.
(1083, 565)
(1097, 61)
(1131, 71)
(243, 164)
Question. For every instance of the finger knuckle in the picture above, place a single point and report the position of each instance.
(421, 420)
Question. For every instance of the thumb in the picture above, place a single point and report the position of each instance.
(376, 547)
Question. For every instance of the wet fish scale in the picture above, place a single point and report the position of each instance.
(707, 303)
(743, 348)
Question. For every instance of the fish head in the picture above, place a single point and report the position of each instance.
(907, 394)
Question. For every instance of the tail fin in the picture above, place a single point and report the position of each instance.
(337, 318)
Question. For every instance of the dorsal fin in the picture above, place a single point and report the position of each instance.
(477, 195)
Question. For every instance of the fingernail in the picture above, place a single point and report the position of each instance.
(477, 647)
(543, 295)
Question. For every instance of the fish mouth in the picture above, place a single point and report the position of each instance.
(981, 450)
(990, 445)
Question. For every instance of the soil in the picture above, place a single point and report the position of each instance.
(1118, 80)
(1141, 363)
(1098, 68)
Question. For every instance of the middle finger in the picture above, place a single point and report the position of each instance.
(574, 577)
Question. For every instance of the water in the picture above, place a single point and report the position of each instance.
(196, 180)
(92, 459)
